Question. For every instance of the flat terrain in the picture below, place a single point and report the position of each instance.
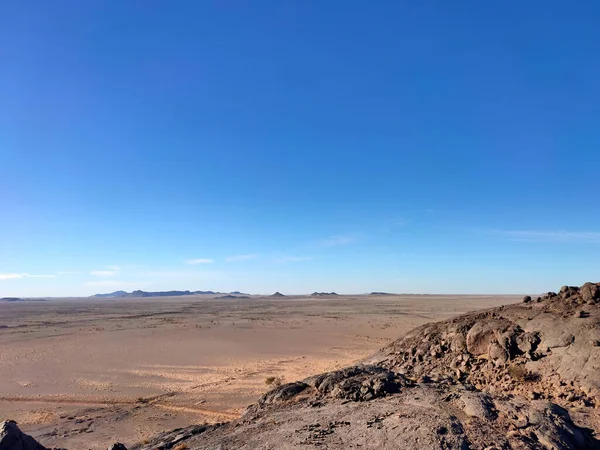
(81, 373)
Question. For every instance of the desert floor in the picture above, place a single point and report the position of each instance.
(83, 373)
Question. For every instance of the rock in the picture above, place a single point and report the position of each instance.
(527, 343)
(117, 446)
(527, 299)
(477, 405)
(283, 393)
(12, 438)
(484, 333)
(555, 430)
(359, 383)
(497, 353)
(590, 292)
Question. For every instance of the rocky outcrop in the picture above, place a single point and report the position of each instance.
(12, 438)
(117, 446)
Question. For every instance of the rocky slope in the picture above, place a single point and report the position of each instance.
(11, 438)
(524, 376)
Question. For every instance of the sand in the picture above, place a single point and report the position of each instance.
(82, 373)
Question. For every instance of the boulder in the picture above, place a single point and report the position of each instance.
(483, 333)
(590, 292)
(12, 438)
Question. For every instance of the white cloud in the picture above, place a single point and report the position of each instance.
(293, 259)
(549, 236)
(193, 262)
(103, 273)
(111, 283)
(13, 276)
(334, 241)
(191, 274)
(69, 272)
(242, 257)
(110, 271)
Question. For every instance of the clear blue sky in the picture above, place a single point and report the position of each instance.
(299, 145)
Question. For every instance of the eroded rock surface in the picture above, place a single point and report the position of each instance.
(12, 438)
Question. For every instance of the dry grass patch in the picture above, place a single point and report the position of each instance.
(274, 381)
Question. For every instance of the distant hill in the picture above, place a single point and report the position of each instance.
(380, 293)
(322, 294)
(17, 299)
(238, 293)
(115, 294)
(229, 296)
(143, 294)
(277, 294)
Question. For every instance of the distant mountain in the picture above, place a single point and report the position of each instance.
(143, 294)
(115, 294)
(137, 294)
(238, 293)
(380, 293)
(277, 294)
(229, 296)
(322, 294)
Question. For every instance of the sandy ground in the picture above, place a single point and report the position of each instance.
(82, 373)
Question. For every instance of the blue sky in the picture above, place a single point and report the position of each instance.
(443, 147)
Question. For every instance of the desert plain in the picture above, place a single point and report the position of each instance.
(84, 372)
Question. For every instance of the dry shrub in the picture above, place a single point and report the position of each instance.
(180, 447)
(521, 374)
(274, 381)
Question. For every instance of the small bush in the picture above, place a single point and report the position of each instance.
(274, 381)
(521, 374)
(180, 447)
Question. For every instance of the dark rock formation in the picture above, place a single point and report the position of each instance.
(12, 438)
(117, 446)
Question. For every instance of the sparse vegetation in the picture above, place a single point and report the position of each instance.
(521, 374)
(180, 447)
(274, 381)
